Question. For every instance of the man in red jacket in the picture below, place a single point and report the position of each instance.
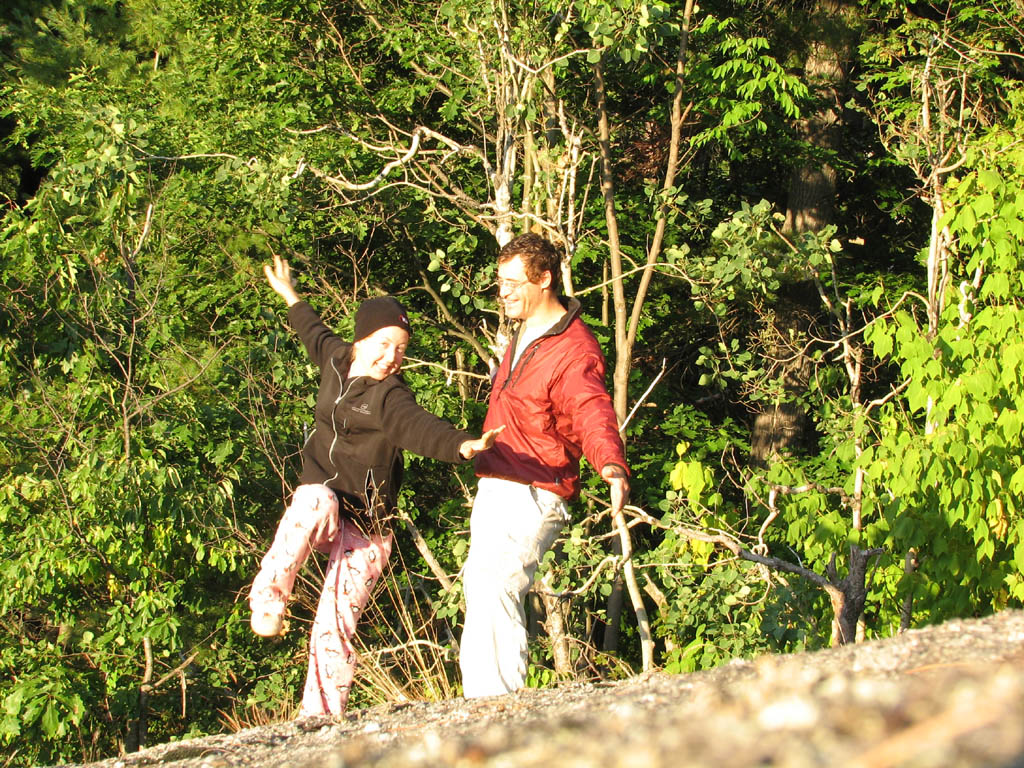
(549, 392)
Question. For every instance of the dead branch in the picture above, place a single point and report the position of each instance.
(150, 688)
(733, 545)
(416, 137)
(460, 330)
(643, 397)
(614, 560)
(424, 549)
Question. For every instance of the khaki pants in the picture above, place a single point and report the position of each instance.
(355, 565)
(511, 527)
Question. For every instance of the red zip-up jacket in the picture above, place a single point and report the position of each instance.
(555, 408)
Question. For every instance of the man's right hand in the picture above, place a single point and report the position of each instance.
(280, 278)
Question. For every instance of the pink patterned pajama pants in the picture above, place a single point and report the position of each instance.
(355, 565)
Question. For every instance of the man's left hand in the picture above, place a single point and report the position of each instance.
(618, 482)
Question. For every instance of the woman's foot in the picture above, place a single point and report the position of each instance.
(267, 624)
(267, 612)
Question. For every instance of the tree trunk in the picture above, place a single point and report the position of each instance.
(910, 564)
(136, 738)
(620, 377)
(783, 426)
(661, 601)
(672, 165)
(848, 595)
(811, 194)
(622, 365)
(812, 186)
(809, 207)
(554, 625)
(613, 609)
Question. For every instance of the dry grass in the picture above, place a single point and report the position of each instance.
(406, 653)
(239, 719)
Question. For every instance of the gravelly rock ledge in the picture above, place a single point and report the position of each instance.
(949, 695)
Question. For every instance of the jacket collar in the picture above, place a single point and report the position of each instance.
(572, 310)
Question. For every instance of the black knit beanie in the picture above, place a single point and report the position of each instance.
(381, 312)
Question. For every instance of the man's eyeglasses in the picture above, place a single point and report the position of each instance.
(510, 285)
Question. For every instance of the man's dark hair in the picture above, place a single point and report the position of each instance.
(538, 255)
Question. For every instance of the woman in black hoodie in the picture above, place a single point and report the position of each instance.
(365, 416)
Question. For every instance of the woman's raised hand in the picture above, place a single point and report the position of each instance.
(280, 278)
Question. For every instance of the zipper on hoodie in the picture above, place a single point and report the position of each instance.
(342, 391)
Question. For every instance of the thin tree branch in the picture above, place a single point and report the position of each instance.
(622, 429)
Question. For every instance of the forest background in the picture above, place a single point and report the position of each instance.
(796, 228)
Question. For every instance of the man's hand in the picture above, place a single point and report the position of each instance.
(471, 448)
(618, 481)
(280, 278)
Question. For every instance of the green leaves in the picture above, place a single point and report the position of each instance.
(746, 78)
(695, 480)
(949, 480)
(47, 703)
(135, 351)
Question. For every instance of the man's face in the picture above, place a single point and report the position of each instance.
(519, 296)
(381, 353)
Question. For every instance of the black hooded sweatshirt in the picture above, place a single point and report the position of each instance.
(362, 425)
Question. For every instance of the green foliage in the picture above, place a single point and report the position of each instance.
(153, 403)
(132, 487)
(721, 609)
(948, 468)
(747, 77)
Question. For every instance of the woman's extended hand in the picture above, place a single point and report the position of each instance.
(471, 448)
(280, 278)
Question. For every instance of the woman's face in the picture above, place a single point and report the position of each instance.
(381, 353)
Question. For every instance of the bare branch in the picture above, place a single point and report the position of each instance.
(614, 560)
(732, 544)
(424, 549)
(449, 372)
(643, 397)
(460, 330)
(150, 687)
(418, 134)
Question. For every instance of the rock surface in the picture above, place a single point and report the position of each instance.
(949, 695)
